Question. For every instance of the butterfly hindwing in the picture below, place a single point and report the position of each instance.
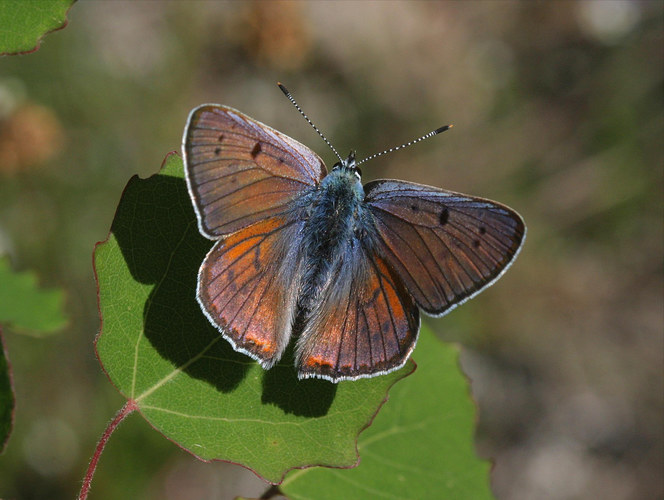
(445, 246)
(240, 171)
(244, 287)
(366, 324)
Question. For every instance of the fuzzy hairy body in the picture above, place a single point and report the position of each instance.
(334, 228)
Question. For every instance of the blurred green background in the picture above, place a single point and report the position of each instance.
(558, 113)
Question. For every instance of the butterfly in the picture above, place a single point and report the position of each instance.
(342, 268)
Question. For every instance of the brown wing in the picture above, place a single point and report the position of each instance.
(367, 324)
(240, 171)
(244, 289)
(445, 246)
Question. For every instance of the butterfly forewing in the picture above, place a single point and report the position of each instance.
(445, 246)
(366, 324)
(245, 288)
(240, 171)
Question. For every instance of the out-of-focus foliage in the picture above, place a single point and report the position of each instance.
(24, 22)
(27, 308)
(557, 108)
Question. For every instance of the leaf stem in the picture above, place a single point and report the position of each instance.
(128, 408)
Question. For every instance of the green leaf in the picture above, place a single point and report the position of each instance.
(24, 22)
(419, 446)
(159, 349)
(26, 307)
(7, 400)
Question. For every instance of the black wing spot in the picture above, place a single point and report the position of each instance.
(415, 208)
(482, 230)
(444, 216)
(476, 243)
(281, 160)
(256, 150)
(221, 138)
(217, 151)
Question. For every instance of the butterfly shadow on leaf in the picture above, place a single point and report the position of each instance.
(306, 398)
(156, 231)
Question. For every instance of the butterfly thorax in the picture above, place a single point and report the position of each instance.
(334, 222)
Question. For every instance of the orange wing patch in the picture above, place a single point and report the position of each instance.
(369, 328)
(245, 290)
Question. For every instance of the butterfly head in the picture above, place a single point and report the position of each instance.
(349, 166)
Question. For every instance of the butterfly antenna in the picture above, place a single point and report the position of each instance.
(290, 98)
(426, 136)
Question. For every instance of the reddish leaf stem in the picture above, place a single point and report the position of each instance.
(128, 408)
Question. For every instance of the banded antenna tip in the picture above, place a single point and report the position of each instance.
(283, 89)
(419, 139)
